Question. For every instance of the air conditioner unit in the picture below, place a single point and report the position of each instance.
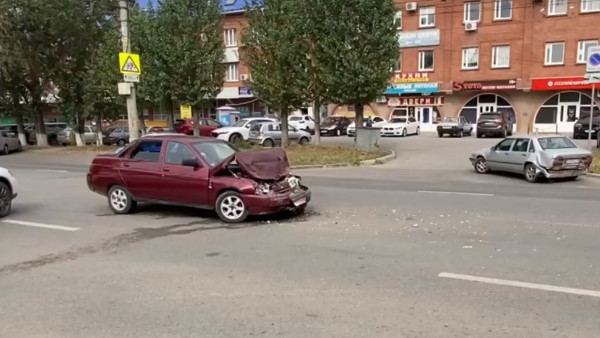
(244, 77)
(470, 26)
(381, 99)
(411, 6)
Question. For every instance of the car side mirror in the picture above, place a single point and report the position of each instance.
(191, 162)
(493, 148)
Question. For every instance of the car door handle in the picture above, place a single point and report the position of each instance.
(166, 169)
(524, 155)
(126, 164)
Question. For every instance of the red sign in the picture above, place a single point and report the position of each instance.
(560, 83)
(410, 77)
(416, 101)
(484, 85)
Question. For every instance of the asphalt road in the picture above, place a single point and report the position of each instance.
(386, 251)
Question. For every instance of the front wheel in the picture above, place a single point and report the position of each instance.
(481, 166)
(268, 143)
(303, 140)
(531, 174)
(235, 138)
(120, 201)
(418, 131)
(440, 134)
(5, 199)
(231, 208)
(404, 132)
(121, 143)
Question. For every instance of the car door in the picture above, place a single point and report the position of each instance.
(293, 134)
(498, 158)
(89, 135)
(183, 184)
(518, 155)
(412, 125)
(141, 170)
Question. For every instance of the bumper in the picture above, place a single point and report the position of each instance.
(395, 132)
(326, 132)
(224, 137)
(63, 139)
(351, 132)
(490, 131)
(582, 133)
(270, 204)
(564, 173)
(256, 141)
(448, 130)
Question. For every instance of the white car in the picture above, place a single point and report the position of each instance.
(302, 122)
(401, 126)
(239, 131)
(377, 122)
(9, 142)
(8, 191)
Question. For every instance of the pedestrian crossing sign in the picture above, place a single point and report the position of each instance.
(129, 64)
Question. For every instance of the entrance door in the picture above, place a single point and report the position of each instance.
(567, 115)
(425, 117)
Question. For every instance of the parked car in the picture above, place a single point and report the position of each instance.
(335, 125)
(199, 172)
(9, 142)
(269, 134)
(116, 135)
(240, 130)
(401, 126)
(8, 191)
(186, 126)
(13, 128)
(534, 157)
(494, 124)
(454, 126)
(156, 129)
(377, 123)
(65, 136)
(302, 122)
(581, 129)
(52, 130)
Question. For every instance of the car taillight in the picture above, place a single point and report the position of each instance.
(500, 122)
(111, 135)
(558, 163)
(587, 160)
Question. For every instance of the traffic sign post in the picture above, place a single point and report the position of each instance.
(593, 76)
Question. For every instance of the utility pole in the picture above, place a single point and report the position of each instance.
(132, 113)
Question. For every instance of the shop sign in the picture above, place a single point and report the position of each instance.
(416, 101)
(560, 83)
(420, 38)
(410, 77)
(484, 85)
(412, 88)
(244, 91)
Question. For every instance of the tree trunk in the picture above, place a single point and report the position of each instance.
(40, 127)
(19, 119)
(168, 107)
(317, 118)
(99, 129)
(285, 140)
(359, 118)
(142, 125)
(78, 131)
(196, 117)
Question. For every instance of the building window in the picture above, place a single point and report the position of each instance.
(232, 72)
(472, 11)
(398, 20)
(500, 56)
(470, 58)
(426, 61)
(588, 6)
(427, 16)
(230, 38)
(557, 7)
(398, 64)
(503, 10)
(583, 49)
(555, 53)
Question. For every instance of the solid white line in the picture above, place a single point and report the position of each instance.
(544, 287)
(453, 193)
(53, 171)
(40, 225)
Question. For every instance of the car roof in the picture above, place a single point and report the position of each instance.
(175, 136)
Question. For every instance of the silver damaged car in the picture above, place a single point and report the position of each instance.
(534, 157)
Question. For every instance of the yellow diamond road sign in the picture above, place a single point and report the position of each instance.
(130, 64)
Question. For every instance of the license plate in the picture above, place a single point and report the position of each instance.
(293, 182)
(447, 127)
(572, 162)
(323, 131)
(300, 202)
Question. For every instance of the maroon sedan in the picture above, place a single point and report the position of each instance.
(206, 126)
(198, 172)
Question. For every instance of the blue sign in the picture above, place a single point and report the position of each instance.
(413, 88)
(244, 91)
(225, 119)
(595, 59)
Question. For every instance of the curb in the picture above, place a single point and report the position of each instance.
(595, 176)
(380, 160)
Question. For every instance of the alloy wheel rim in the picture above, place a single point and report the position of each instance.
(481, 166)
(232, 207)
(118, 199)
(530, 172)
(5, 199)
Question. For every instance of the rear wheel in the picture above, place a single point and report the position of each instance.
(440, 134)
(418, 130)
(235, 138)
(5, 199)
(470, 132)
(231, 208)
(120, 201)
(478, 135)
(303, 140)
(531, 174)
(121, 143)
(268, 143)
(504, 133)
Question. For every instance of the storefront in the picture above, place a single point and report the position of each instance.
(566, 103)
(412, 94)
(478, 103)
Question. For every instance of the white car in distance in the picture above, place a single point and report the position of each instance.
(401, 126)
(240, 130)
(378, 122)
(8, 191)
(302, 122)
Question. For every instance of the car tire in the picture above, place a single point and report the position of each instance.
(530, 173)
(470, 132)
(231, 208)
(120, 200)
(481, 166)
(20, 147)
(268, 143)
(418, 131)
(338, 132)
(235, 138)
(121, 142)
(303, 140)
(5, 199)
(440, 134)
(460, 133)
(404, 132)
(300, 210)
(478, 135)
(5, 150)
(504, 133)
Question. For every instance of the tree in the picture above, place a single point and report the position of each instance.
(276, 57)
(190, 52)
(361, 51)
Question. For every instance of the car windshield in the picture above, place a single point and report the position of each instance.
(398, 120)
(240, 123)
(451, 119)
(549, 143)
(296, 118)
(214, 152)
(489, 117)
(333, 119)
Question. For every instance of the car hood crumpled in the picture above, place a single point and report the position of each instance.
(264, 165)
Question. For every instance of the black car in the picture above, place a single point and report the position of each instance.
(494, 124)
(335, 125)
(581, 129)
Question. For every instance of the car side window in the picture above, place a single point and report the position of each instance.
(177, 152)
(505, 145)
(148, 151)
(521, 145)
(411, 119)
(377, 119)
(212, 123)
(531, 147)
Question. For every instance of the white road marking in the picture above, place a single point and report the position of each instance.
(453, 193)
(53, 171)
(504, 282)
(40, 225)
